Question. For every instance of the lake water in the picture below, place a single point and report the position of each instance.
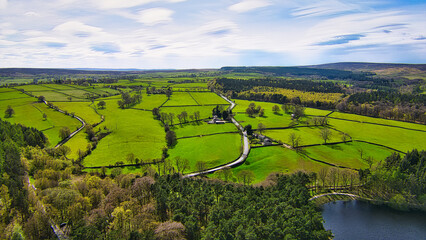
(360, 220)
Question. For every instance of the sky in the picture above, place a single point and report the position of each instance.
(182, 34)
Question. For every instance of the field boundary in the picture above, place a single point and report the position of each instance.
(196, 105)
(379, 124)
(194, 98)
(206, 135)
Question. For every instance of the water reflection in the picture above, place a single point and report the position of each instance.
(360, 220)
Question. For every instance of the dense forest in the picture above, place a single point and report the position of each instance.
(301, 71)
(400, 180)
(14, 203)
(238, 85)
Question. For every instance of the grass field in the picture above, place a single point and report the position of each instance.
(377, 120)
(316, 112)
(348, 155)
(78, 142)
(267, 160)
(30, 113)
(203, 129)
(181, 98)
(34, 88)
(151, 101)
(133, 131)
(207, 98)
(189, 85)
(205, 111)
(59, 86)
(308, 135)
(214, 150)
(81, 109)
(401, 139)
(270, 120)
(12, 94)
(53, 96)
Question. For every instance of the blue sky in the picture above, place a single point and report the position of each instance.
(150, 34)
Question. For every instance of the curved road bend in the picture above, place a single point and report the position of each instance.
(243, 156)
(334, 193)
(83, 124)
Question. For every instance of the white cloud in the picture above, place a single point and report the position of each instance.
(3, 4)
(155, 16)
(324, 8)
(249, 5)
(32, 14)
(77, 29)
(116, 4)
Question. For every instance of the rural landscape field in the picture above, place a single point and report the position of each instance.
(202, 120)
(231, 125)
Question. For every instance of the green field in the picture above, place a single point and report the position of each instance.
(207, 98)
(276, 159)
(348, 155)
(82, 110)
(151, 101)
(270, 120)
(214, 150)
(189, 85)
(29, 112)
(205, 111)
(398, 138)
(203, 129)
(378, 121)
(181, 98)
(308, 135)
(133, 131)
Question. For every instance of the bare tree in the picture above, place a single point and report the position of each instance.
(322, 175)
(261, 127)
(245, 176)
(325, 134)
(345, 177)
(334, 176)
(344, 137)
(182, 164)
(170, 231)
(294, 140)
(200, 166)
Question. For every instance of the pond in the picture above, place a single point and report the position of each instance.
(361, 220)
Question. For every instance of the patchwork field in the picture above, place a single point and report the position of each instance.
(136, 131)
(133, 131)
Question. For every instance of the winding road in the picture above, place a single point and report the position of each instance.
(240, 160)
(83, 124)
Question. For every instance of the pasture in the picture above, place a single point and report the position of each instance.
(132, 131)
(308, 135)
(350, 155)
(276, 159)
(203, 129)
(214, 150)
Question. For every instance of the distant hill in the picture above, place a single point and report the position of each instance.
(300, 72)
(10, 72)
(364, 66)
